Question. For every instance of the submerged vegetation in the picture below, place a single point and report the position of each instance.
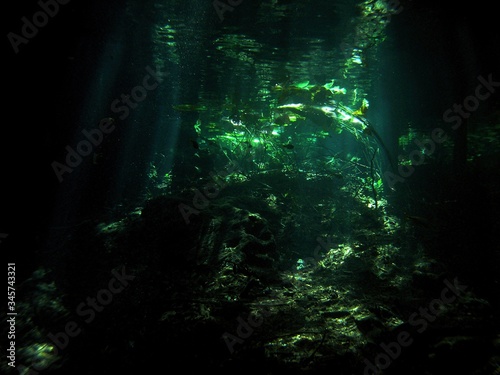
(266, 238)
(301, 131)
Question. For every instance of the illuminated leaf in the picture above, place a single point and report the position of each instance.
(302, 85)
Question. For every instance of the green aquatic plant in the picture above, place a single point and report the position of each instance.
(292, 129)
(302, 85)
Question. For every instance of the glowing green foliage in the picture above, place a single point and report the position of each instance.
(302, 85)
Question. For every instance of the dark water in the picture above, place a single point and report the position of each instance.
(251, 186)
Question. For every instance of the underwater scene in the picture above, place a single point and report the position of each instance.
(251, 187)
